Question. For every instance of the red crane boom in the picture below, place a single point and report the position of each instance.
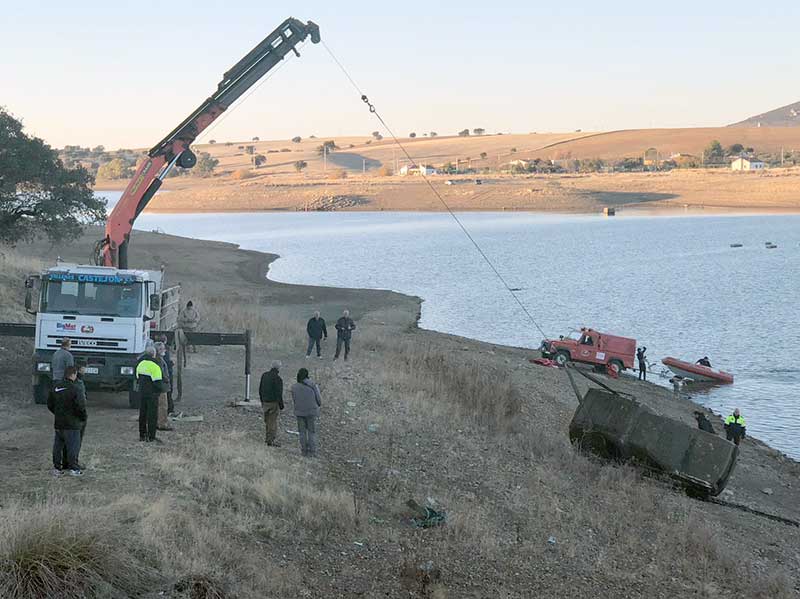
(112, 250)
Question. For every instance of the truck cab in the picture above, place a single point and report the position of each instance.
(107, 313)
(592, 347)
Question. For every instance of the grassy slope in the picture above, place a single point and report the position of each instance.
(474, 426)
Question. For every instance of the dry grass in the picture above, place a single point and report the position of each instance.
(14, 267)
(271, 329)
(482, 394)
(59, 550)
(232, 474)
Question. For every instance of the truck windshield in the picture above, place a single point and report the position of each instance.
(101, 299)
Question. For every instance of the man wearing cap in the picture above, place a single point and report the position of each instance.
(270, 390)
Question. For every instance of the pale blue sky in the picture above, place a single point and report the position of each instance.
(123, 74)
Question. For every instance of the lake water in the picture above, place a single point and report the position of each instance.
(672, 282)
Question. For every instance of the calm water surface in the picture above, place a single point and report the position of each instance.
(674, 283)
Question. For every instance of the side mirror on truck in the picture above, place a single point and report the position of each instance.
(31, 287)
(155, 301)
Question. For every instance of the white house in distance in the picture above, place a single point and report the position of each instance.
(422, 169)
(747, 164)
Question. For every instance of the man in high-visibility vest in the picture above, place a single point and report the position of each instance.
(735, 427)
(150, 379)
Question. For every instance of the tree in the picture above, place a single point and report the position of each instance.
(483, 155)
(256, 139)
(98, 150)
(205, 164)
(479, 131)
(433, 134)
(259, 159)
(377, 135)
(714, 151)
(114, 169)
(735, 149)
(211, 142)
(513, 150)
(250, 150)
(463, 133)
(327, 146)
(297, 139)
(300, 165)
(39, 196)
(412, 135)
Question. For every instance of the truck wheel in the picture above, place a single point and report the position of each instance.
(616, 366)
(133, 399)
(41, 390)
(562, 357)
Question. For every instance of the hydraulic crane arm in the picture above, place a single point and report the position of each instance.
(174, 148)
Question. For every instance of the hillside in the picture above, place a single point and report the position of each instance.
(785, 116)
(634, 142)
(414, 414)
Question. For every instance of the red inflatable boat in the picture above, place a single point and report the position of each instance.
(696, 372)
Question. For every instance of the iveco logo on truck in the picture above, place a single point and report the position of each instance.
(88, 329)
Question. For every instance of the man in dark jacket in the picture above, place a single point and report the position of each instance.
(316, 330)
(640, 355)
(344, 332)
(270, 390)
(80, 386)
(69, 408)
(150, 380)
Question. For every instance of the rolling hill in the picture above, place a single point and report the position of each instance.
(785, 116)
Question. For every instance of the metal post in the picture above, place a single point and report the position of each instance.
(247, 353)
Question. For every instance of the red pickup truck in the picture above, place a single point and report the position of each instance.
(592, 347)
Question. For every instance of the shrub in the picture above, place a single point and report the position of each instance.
(337, 174)
(241, 174)
(297, 139)
(56, 550)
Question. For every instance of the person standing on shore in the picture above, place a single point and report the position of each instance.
(150, 379)
(61, 360)
(735, 428)
(307, 402)
(344, 332)
(316, 330)
(640, 354)
(188, 320)
(270, 390)
(80, 387)
(163, 403)
(170, 371)
(69, 410)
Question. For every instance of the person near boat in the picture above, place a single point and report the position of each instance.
(640, 355)
(704, 361)
(735, 428)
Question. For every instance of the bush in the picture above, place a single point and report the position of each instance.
(412, 135)
(259, 160)
(242, 174)
(205, 164)
(463, 133)
(114, 169)
(300, 165)
(337, 174)
(297, 139)
(56, 550)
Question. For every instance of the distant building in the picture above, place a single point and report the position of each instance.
(427, 169)
(747, 164)
(422, 169)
